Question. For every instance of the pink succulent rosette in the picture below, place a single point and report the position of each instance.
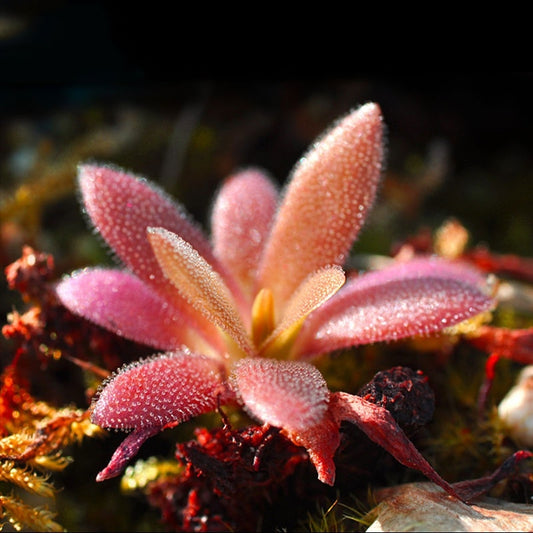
(240, 318)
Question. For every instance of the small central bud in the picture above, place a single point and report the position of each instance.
(262, 316)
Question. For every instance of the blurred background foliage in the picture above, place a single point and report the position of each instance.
(457, 146)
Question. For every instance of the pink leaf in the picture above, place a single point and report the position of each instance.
(240, 222)
(393, 303)
(474, 488)
(199, 284)
(312, 292)
(380, 426)
(425, 266)
(286, 394)
(122, 303)
(293, 396)
(325, 204)
(122, 207)
(316, 289)
(321, 441)
(128, 448)
(152, 394)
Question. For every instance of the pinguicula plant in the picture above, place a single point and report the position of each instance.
(238, 320)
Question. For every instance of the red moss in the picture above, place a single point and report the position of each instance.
(230, 477)
(510, 265)
(450, 237)
(48, 331)
(514, 344)
(13, 397)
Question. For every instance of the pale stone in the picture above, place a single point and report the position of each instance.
(426, 507)
(516, 409)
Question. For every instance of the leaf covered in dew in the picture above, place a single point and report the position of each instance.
(286, 394)
(317, 288)
(241, 218)
(326, 202)
(151, 393)
(199, 284)
(120, 302)
(122, 206)
(397, 302)
(380, 426)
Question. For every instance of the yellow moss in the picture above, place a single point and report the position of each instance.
(469, 326)
(12, 445)
(40, 434)
(136, 477)
(25, 478)
(451, 239)
(52, 462)
(21, 516)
